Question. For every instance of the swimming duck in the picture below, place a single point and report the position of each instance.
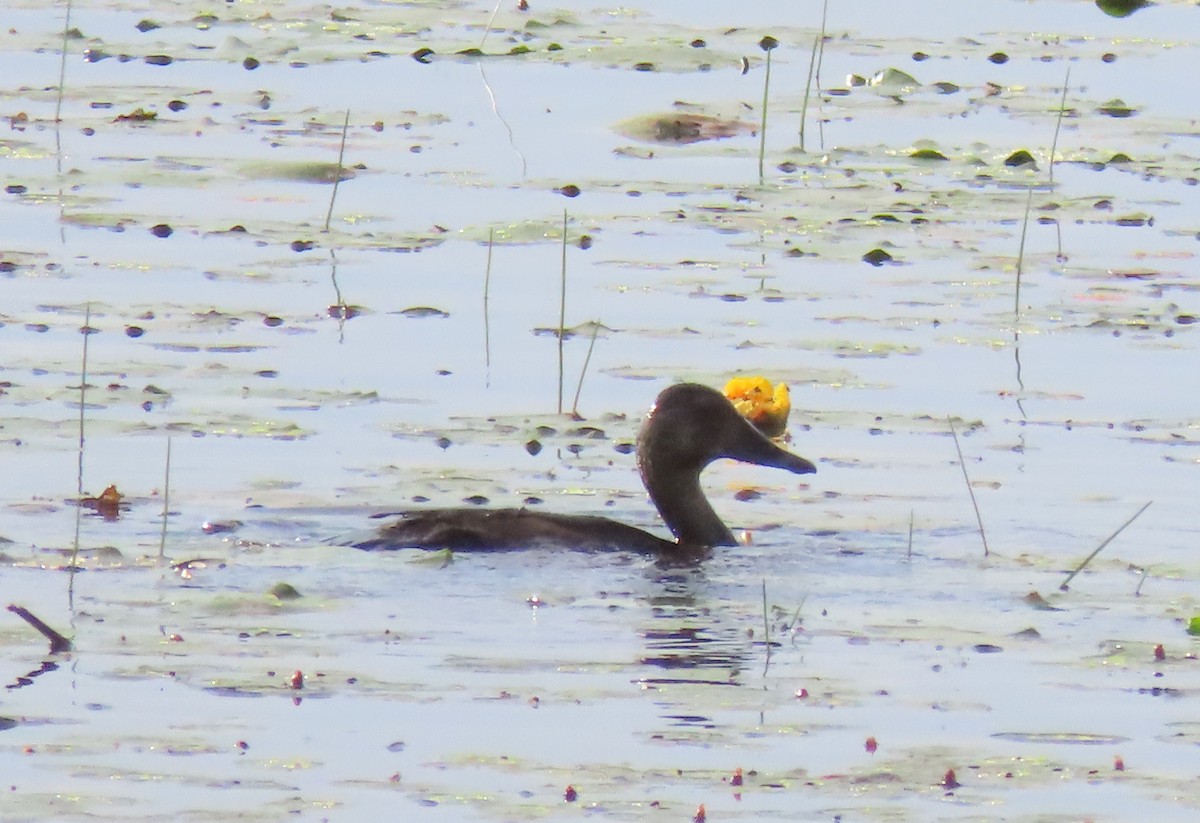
(688, 427)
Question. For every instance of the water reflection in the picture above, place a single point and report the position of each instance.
(686, 636)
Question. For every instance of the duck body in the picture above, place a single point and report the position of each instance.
(688, 427)
(463, 529)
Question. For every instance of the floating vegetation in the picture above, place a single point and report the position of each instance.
(893, 83)
(316, 172)
(420, 312)
(1122, 8)
(1116, 108)
(682, 129)
(1021, 159)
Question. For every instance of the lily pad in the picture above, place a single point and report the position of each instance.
(683, 128)
(315, 172)
(1122, 8)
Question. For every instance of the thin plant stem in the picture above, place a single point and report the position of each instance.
(338, 176)
(963, 465)
(162, 538)
(762, 135)
(562, 312)
(1021, 259)
(87, 332)
(796, 615)
(1066, 583)
(812, 62)
(1137, 592)
(821, 51)
(1020, 379)
(62, 81)
(820, 63)
(337, 290)
(1017, 358)
(1062, 109)
(488, 28)
(343, 311)
(766, 621)
(487, 281)
(583, 372)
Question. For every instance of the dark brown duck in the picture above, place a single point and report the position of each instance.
(688, 427)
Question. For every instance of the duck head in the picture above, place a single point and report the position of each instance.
(689, 427)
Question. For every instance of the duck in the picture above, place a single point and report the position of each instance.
(688, 427)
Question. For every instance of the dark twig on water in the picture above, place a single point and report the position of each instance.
(1066, 583)
(58, 643)
(966, 478)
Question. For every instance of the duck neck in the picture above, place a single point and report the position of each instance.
(684, 508)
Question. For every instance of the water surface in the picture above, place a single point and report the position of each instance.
(481, 689)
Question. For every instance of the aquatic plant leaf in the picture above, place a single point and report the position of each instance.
(423, 312)
(1122, 8)
(893, 83)
(1035, 600)
(315, 172)
(1116, 108)
(877, 257)
(1064, 738)
(284, 591)
(681, 129)
(108, 504)
(1020, 158)
(138, 115)
(587, 330)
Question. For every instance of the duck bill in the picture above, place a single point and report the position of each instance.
(755, 447)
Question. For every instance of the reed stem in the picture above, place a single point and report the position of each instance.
(966, 479)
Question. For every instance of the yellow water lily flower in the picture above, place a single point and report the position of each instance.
(764, 405)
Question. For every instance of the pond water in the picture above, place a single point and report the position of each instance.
(304, 378)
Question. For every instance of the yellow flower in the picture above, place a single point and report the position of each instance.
(755, 399)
